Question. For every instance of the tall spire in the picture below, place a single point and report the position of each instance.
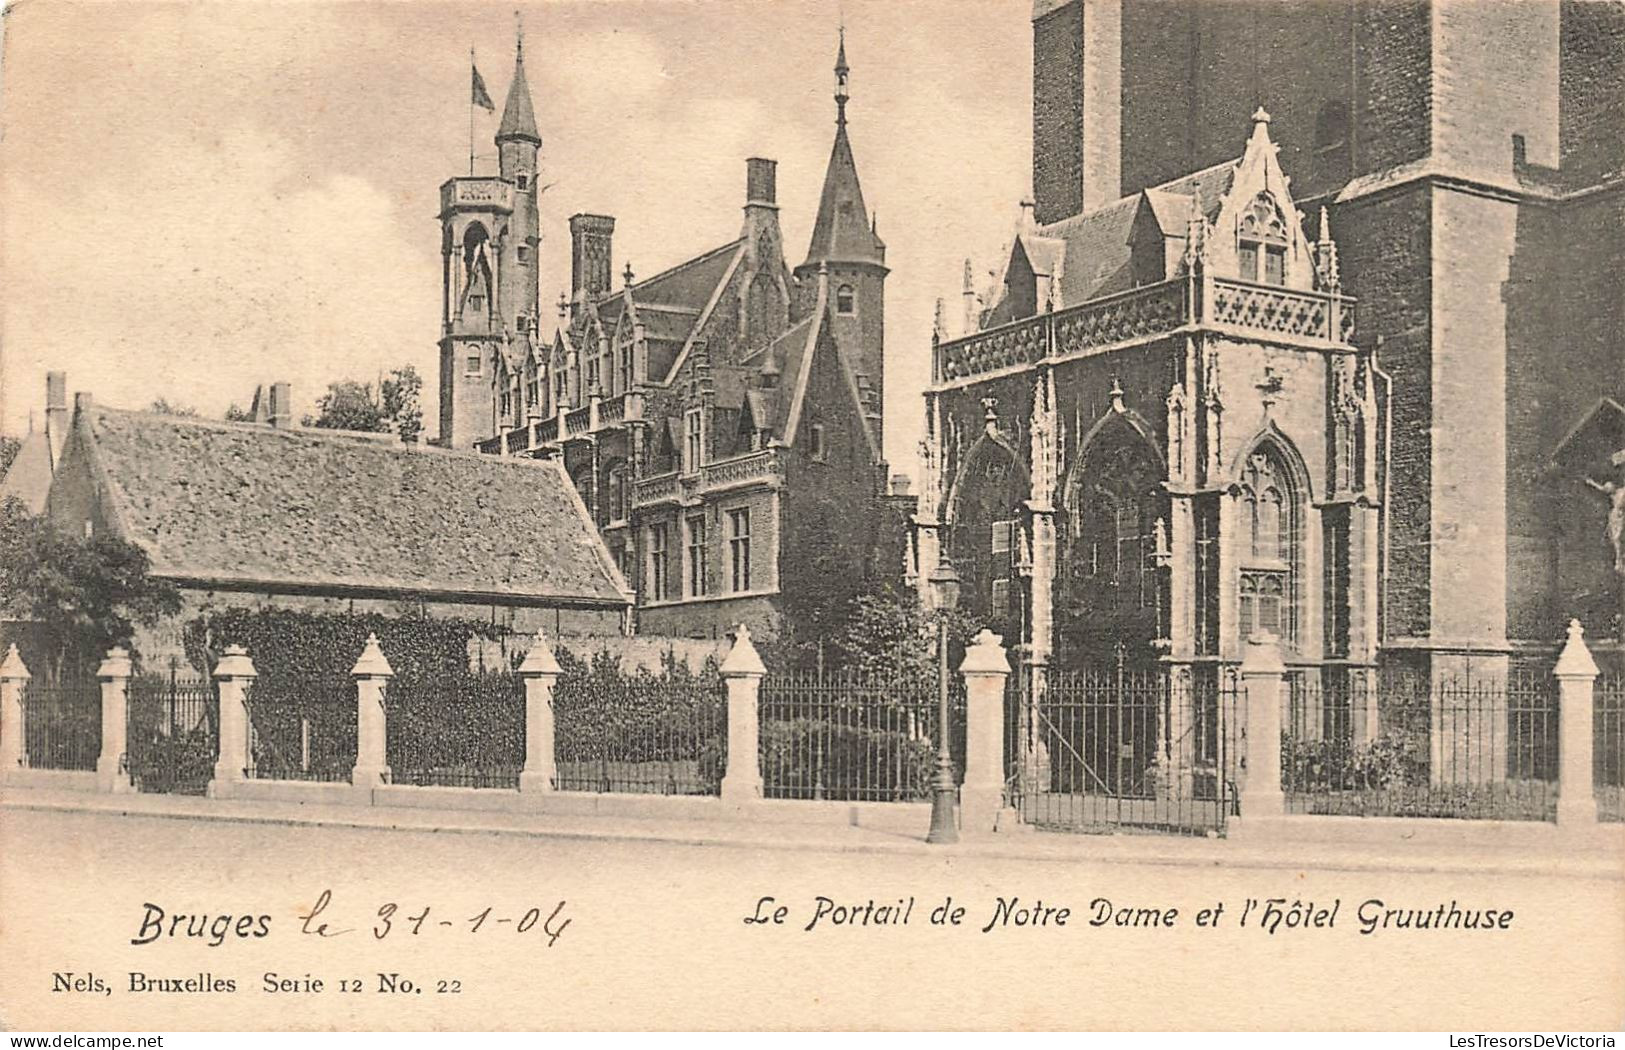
(842, 88)
(518, 118)
(841, 232)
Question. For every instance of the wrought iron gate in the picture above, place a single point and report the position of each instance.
(1124, 749)
(174, 733)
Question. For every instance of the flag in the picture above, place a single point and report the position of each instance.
(481, 97)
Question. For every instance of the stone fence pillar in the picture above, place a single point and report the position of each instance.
(981, 797)
(13, 679)
(1576, 674)
(743, 670)
(1264, 677)
(111, 776)
(540, 671)
(372, 674)
(233, 676)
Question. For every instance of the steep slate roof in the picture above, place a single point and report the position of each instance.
(518, 118)
(29, 477)
(841, 232)
(315, 511)
(1096, 259)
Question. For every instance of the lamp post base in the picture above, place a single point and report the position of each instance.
(944, 828)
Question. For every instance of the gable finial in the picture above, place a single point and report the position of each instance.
(1117, 396)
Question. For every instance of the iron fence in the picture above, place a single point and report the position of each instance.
(640, 734)
(1125, 749)
(1608, 747)
(173, 733)
(62, 723)
(301, 728)
(462, 731)
(1405, 746)
(844, 736)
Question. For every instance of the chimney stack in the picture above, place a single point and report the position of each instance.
(56, 413)
(591, 240)
(761, 182)
(281, 410)
(761, 211)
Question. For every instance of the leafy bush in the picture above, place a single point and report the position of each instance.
(1339, 764)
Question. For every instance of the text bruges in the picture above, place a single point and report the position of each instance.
(156, 923)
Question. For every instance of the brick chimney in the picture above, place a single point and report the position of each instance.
(761, 231)
(280, 413)
(56, 413)
(761, 182)
(591, 258)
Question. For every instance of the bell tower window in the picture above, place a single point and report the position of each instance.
(846, 303)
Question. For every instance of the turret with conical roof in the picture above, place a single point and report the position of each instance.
(519, 147)
(846, 245)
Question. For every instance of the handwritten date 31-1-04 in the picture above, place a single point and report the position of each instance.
(391, 919)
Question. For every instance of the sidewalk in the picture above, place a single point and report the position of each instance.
(1370, 845)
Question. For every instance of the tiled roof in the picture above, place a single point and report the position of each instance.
(310, 509)
(29, 477)
(1097, 256)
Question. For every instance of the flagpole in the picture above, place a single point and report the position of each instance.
(471, 66)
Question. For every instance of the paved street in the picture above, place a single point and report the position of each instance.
(653, 932)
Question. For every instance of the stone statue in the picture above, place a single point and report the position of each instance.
(1615, 491)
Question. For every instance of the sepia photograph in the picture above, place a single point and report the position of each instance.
(812, 515)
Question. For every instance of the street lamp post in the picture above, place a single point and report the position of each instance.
(945, 585)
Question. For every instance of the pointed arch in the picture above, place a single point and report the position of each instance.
(983, 446)
(985, 539)
(1274, 437)
(1103, 430)
(1112, 590)
(1270, 482)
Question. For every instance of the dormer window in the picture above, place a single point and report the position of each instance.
(476, 302)
(846, 302)
(471, 367)
(523, 252)
(523, 180)
(1261, 243)
(815, 444)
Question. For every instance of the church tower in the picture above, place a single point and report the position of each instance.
(845, 242)
(489, 239)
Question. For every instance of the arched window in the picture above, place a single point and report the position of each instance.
(1116, 510)
(1270, 555)
(985, 540)
(846, 301)
(1261, 242)
(1332, 126)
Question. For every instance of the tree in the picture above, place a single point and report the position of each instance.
(348, 405)
(889, 633)
(86, 593)
(235, 413)
(403, 395)
(397, 406)
(166, 407)
(9, 447)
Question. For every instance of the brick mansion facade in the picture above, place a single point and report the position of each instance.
(721, 418)
(1353, 376)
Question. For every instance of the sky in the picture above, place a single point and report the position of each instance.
(197, 198)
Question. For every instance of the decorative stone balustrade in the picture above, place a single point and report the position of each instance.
(1146, 312)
